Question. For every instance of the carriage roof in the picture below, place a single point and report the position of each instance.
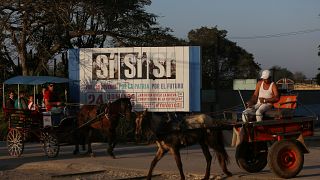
(36, 80)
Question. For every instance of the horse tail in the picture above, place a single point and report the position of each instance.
(218, 145)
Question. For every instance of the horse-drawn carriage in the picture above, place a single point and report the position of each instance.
(52, 129)
(281, 129)
(69, 124)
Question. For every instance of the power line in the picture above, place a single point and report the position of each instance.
(277, 35)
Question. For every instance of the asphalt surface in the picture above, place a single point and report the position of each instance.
(138, 157)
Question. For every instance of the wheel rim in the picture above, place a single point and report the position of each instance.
(50, 145)
(254, 161)
(288, 159)
(15, 142)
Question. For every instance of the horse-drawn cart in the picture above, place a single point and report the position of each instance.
(283, 131)
(51, 129)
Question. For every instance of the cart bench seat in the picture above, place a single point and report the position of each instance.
(282, 109)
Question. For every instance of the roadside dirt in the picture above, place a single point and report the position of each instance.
(109, 173)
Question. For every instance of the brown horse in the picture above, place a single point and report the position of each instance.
(173, 134)
(104, 117)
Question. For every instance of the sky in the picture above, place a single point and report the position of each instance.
(298, 22)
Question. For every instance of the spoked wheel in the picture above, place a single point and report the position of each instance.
(15, 142)
(285, 159)
(50, 144)
(252, 157)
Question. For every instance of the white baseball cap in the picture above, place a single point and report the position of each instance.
(265, 74)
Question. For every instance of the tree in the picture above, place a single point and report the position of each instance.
(35, 31)
(299, 77)
(222, 60)
(279, 73)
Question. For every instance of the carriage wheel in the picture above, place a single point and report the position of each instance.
(252, 157)
(285, 159)
(15, 142)
(50, 144)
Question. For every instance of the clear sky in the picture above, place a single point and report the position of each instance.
(251, 18)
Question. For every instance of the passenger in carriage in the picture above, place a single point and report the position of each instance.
(31, 105)
(50, 99)
(9, 105)
(21, 102)
(265, 94)
(10, 101)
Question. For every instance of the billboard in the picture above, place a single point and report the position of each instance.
(156, 78)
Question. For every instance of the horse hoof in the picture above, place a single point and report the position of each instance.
(229, 174)
(113, 156)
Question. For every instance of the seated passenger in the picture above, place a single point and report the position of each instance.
(265, 94)
(50, 99)
(10, 101)
(31, 105)
(21, 102)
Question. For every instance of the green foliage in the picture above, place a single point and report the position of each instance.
(222, 60)
(299, 77)
(37, 31)
(279, 73)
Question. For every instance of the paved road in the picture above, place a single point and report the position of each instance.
(139, 157)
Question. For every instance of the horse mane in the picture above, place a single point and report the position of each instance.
(201, 121)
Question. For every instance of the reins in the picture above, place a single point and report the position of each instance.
(223, 110)
(92, 120)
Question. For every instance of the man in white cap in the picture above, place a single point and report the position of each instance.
(265, 94)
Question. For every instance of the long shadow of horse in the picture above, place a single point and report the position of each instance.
(171, 135)
(105, 118)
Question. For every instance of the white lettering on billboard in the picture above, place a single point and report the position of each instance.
(156, 78)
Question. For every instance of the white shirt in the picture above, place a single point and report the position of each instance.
(265, 93)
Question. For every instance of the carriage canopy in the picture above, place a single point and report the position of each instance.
(36, 80)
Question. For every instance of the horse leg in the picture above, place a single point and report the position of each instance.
(160, 153)
(207, 155)
(112, 143)
(76, 149)
(76, 137)
(110, 150)
(223, 165)
(88, 140)
(221, 153)
(83, 144)
(176, 153)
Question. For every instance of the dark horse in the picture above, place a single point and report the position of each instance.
(172, 137)
(104, 117)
